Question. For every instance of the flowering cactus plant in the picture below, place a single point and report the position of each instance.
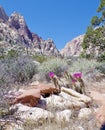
(77, 75)
(51, 74)
(74, 81)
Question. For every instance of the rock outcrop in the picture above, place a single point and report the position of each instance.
(30, 97)
(15, 32)
(73, 48)
(3, 16)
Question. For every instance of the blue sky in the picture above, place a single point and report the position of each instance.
(61, 20)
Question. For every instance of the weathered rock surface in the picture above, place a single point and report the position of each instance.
(3, 16)
(63, 102)
(85, 113)
(28, 97)
(34, 113)
(56, 109)
(15, 33)
(73, 48)
(63, 116)
(32, 94)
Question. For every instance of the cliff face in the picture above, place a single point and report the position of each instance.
(3, 16)
(14, 31)
(73, 48)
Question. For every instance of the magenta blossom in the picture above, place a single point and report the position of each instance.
(77, 75)
(51, 74)
(74, 81)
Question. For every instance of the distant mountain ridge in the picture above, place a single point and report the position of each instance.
(14, 32)
(73, 47)
(3, 15)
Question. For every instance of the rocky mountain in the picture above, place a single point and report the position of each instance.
(3, 16)
(73, 48)
(15, 34)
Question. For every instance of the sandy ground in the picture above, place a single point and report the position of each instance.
(96, 90)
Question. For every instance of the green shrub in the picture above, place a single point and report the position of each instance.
(12, 54)
(83, 65)
(101, 58)
(85, 45)
(18, 69)
(40, 58)
(56, 65)
(82, 55)
(101, 68)
(23, 69)
(1, 39)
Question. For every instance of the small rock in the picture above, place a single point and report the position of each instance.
(84, 113)
(63, 116)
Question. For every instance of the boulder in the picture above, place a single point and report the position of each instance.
(63, 116)
(84, 113)
(46, 90)
(73, 48)
(55, 103)
(28, 97)
(59, 103)
(38, 115)
(78, 96)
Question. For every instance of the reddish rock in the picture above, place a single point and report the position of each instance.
(31, 96)
(28, 97)
(47, 90)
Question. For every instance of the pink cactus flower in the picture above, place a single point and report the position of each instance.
(51, 74)
(74, 81)
(77, 75)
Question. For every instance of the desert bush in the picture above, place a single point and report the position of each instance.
(1, 39)
(89, 68)
(101, 68)
(14, 71)
(56, 65)
(23, 69)
(18, 69)
(83, 65)
(40, 58)
(101, 58)
(12, 53)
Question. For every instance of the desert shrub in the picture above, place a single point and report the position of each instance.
(82, 55)
(101, 58)
(18, 69)
(12, 53)
(14, 71)
(101, 68)
(23, 69)
(1, 39)
(56, 65)
(83, 65)
(1, 51)
(4, 108)
(85, 45)
(40, 58)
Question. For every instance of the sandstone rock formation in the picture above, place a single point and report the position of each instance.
(57, 109)
(15, 32)
(73, 48)
(28, 97)
(31, 96)
(3, 16)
